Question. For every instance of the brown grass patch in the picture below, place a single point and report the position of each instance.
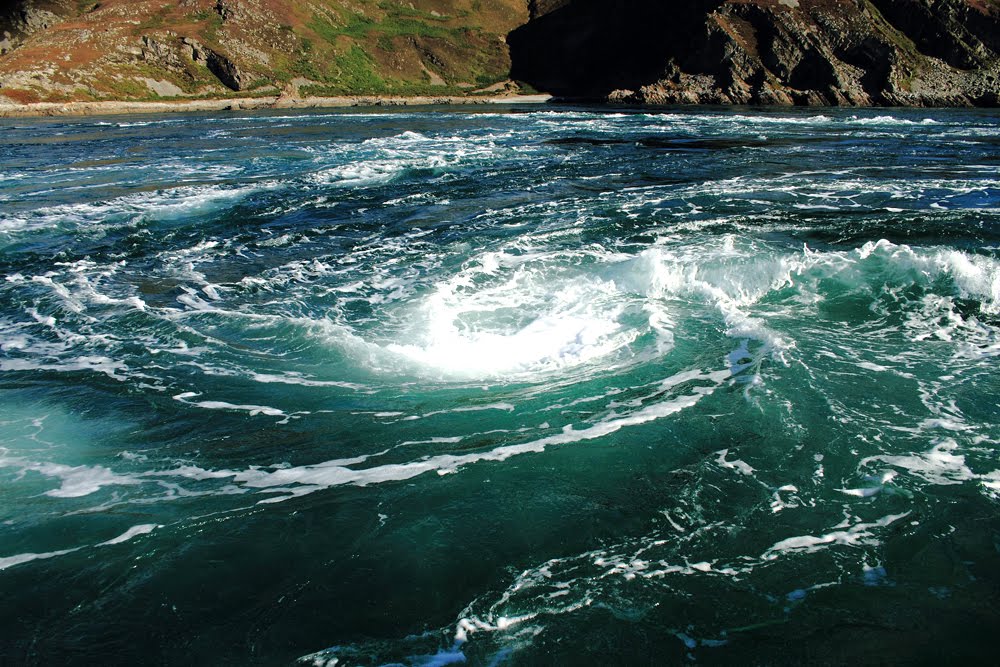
(20, 95)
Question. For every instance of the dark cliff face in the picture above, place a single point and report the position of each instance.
(20, 19)
(815, 52)
(587, 48)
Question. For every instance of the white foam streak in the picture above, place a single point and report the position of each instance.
(75, 481)
(253, 410)
(298, 379)
(11, 561)
(860, 534)
(300, 480)
(134, 531)
(941, 465)
(328, 474)
(110, 367)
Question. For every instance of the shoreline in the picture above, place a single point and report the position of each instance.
(108, 107)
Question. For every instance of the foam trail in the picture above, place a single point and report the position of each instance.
(300, 480)
(253, 410)
(134, 531)
(859, 534)
(75, 481)
(322, 476)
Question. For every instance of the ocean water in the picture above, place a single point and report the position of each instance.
(530, 386)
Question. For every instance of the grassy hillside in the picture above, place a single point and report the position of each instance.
(69, 50)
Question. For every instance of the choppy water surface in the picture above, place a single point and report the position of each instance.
(538, 386)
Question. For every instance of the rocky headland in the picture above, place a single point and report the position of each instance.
(785, 52)
(72, 56)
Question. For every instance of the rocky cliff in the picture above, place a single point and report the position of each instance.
(810, 52)
(857, 52)
(73, 50)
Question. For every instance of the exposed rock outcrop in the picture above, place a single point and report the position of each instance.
(808, 52)
(225, 69)
(19, 20)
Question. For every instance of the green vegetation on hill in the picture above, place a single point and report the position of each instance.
(155, 49)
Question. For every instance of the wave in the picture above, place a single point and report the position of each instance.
(524, 311)
(282, 482)
(507, 315)
(172, 204)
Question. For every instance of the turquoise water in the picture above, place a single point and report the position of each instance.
(524, 386)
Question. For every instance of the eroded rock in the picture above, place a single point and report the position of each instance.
(224, 69)
(806, 52)
(20, 19)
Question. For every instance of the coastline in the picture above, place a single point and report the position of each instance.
(109, 107)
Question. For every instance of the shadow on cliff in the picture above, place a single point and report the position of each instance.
(587, 48)
(806, 52)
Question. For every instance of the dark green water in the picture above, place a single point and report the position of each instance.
(547, 386)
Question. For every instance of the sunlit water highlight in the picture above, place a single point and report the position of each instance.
(543, 386)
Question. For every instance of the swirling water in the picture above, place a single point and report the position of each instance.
(500, 386)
